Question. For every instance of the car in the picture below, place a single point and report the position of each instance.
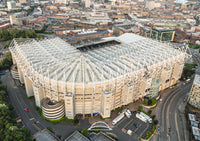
(158, 129)
(134, 112)
(188, 80)
(26, 109)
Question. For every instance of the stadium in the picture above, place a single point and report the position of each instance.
(96, 77)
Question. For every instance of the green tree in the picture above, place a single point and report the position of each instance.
(14, 32)
(85, 132)
(6, 62)
(140, 108)
(145, 102)
(9, 131)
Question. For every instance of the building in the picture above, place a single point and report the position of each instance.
(162, 34)
(194, 97)
(87, 3)
(45, 135)
(151, 4)
(61, 1)
(125, 28)
(77, 136)
(196, 133)
(11, 5)
(95, 77)
(180, 1)
(195, 125)
(90, 35)
(17, 18)
(100, 137)
(98, 17)
(22, 1)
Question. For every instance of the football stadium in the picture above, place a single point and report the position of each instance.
(94, 77)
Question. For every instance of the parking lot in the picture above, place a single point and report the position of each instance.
(134, 124)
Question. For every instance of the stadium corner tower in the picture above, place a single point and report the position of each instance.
(96, 77)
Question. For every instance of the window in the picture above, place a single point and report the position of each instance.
(147, 90)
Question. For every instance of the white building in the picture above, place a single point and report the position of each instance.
(11, 5)
(61, 1)
(16, 18)
(87, 3)
(152, 4)
(181, 1)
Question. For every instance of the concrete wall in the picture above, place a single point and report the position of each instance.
(29, 86)
(38, 94)
(69, 106)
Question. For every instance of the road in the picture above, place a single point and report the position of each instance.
(170, 113)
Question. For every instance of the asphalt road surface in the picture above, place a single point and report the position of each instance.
(172, 124)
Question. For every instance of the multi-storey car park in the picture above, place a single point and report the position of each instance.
(96, 77)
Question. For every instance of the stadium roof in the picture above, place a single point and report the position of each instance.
(96, 62)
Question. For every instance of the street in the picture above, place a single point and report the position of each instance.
(172, 124)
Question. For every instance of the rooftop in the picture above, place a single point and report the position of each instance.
(100, 137)
(55, 59)
(76, 136)
(45, 135)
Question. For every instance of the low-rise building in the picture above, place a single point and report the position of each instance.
(11, 5)
(16, 19)
(77, 136)
(125, 28)
(162, 34)
(45, 135)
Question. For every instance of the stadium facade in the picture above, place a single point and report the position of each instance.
(96, 77)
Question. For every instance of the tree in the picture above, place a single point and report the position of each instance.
(149, 102)
(85, 132)
(6, 35)
(155, 122)
(145, 101)
(140, 108)
(6, 62)
(9, 130)
(14, 32)
(76, 121)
